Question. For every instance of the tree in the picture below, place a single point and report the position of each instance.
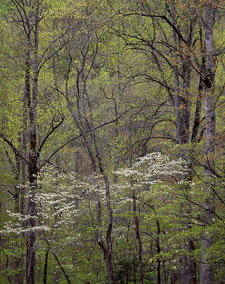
(28, 17)
(102, 86)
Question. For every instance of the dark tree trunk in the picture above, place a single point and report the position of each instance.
(158, 248)
(138, 237)
(46, 267)
(24, 154)
(198, 109)
(33, 152)
(192, 264)
(180, 134)
(56, 258)
(182, 100)
(32, 170)
(206, 273)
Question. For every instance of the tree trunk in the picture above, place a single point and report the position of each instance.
(46, 266)
(30, 258)
(158, 252)
(84, 122)
(33, 152)
(138, 237)
(198, 109)
(108, 251)
(178, 100)
(182, 113)
(206, 273)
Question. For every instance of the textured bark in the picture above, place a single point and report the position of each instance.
(182, 68)
(33, 152)
(206, 273)
(198, 109)
(28, 17)
(181, 96)
(32, 171)
(23, 178)
(24, 154)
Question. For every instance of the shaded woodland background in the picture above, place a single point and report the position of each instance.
(112, 141)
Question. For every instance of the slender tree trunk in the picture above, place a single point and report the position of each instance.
(192, 264)
(57, 259)
(180, 130)
(24, 150)
(23, 182)
(83, 122)
(206, 274)
(46, 266)
(20, 259)
(138, 237)
(198, 109)
(33, 152)
(30, 258)
(108, 251)
(158, 252)
(182, 113)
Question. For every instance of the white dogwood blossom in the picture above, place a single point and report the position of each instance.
(151, 168)
(146, 173)
(57, 202)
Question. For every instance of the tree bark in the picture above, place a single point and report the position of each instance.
(33, 152)
(182, 102)
(83, 122)
(206, 273)
(158, 248)
(138, 237)
(181, 96)
(46, 266)
(198, 109)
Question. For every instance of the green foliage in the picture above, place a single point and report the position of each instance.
(106, 81)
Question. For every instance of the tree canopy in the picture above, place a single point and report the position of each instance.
(112, 141)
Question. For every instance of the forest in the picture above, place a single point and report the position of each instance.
(112, 141)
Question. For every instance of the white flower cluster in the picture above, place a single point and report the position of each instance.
(152, 167)
(147, 171)
(57, 202)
